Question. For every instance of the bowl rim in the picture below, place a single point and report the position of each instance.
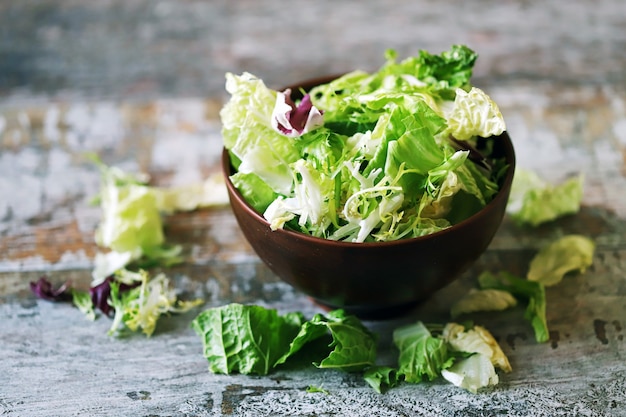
(509, 152)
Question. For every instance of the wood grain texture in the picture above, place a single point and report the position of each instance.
(140, 83)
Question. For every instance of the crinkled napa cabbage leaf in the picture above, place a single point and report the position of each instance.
(478, 370)
(476, 340)
(565, 254)
(534, 201)
(466, 357)
(472, 373)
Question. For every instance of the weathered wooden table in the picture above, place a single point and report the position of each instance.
(141, 83)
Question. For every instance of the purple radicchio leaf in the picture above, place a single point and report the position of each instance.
(101, 293)
(294, 120)
(43, 289)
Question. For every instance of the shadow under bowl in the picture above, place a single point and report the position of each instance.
(373, 280)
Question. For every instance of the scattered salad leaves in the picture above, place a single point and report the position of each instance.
(533, 293)
(566, 254)
(134, 300)
(131, 229)
(466, 357)
(533, 201)
(251, 339)
(366, 157)
(141, 306)
(548, 267)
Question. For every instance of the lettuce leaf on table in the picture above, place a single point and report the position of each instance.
(245, 338)
(566, 254)
(534, 201)
(422, 355)
(131, 227)
(533, 293)
(134, 300)
(252, 339)
(499, 291)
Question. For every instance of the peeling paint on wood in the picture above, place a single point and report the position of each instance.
(141, 84)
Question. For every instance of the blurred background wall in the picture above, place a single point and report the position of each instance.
(147, 48)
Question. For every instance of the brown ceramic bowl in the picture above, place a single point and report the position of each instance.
(372, 280)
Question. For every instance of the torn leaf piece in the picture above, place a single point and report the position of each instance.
(566, 254)
(44, 289)
(353, 345)
(478, 370)
(381, 378)
(474, 114)
(209, 193)
(248, 339)
(131, 227)
(422, 355)
(140, 307)
(472, 373)
(533, 201)
(476, 340)
(532, 292)
(294, 120)
(483, 300)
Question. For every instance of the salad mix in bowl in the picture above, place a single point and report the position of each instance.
(366, 157)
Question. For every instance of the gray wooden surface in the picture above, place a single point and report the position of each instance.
(141, 82)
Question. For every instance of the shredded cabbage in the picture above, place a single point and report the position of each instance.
(366, 157)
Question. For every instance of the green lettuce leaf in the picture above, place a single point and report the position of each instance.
(532, 292)
(533, 201)
(254, 190)
(247, 339)
(131, 218)
(353, 345)
(421, 355)
(381, 378)
(566, 254)
(311, 389)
